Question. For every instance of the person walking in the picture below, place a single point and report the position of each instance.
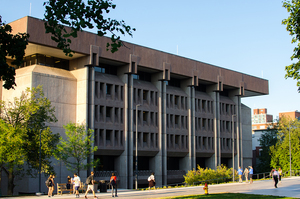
(90, 182)
(113, 183)
(251, 174)
(246, 173)
(151, 180)
(50, 185)
(280, 173)
(240, 172)
(275, 177)
(77, 184)
(68, 182)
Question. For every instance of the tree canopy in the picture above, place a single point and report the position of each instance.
(76, 148)
(267, 139)
(21, 123)
(280, 156)
(63, 20)
(13, 46)
(292, 25)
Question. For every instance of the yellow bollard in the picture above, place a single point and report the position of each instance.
(205, 188)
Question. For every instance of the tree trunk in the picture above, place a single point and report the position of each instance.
(11, 186)
(0, 180)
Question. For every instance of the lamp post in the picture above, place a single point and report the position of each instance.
(136, 146)
(290, 150)
(40, 164)
(232, 129)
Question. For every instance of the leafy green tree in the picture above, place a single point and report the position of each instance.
(280, 152)
(13, 46)
(292, 25)
(76, 148)
(77, 15)
(22, 122)
(267, 140)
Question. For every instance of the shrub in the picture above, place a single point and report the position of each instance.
(201, 175)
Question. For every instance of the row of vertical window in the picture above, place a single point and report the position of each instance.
(227, 109)
(176, 101)
(207, 143)
(109, 91)
(177, 141)
(177, 121)
(204, 124)
(146, 118)
(204, 106)
(146, 140)
(204, 143)
(108, 114)
(108, 138)
(142, 96)
(225, 126)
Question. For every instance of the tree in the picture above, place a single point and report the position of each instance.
(267, 140)
(292, 25)
(13, 46)
(280, 152)
(75, 14)
(22, 121)
(76, 148)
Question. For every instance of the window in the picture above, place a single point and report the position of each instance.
(108, 113)
(176, 101)
(116, 92)
(145, 96)
(145, 116)
(177, 119)
(109, 89)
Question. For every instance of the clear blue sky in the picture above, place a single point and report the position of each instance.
(245, 36)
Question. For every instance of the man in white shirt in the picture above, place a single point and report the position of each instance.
(77, 184)
(275, 177)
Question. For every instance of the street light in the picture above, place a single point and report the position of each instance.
(40, 163)
(290, 150)
(136, 146)
(232, 129)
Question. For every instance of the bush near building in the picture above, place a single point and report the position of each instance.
(211, 176)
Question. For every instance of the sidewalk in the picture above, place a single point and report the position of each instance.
(290, 187)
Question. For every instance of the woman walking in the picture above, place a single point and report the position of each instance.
(246, 172)
(50, 185)
(280, 173)
(151, 181)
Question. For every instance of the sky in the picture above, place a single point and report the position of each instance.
(245, 36)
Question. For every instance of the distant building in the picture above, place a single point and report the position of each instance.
(260, 119)
(292, 114)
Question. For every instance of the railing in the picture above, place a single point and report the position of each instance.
(104, 174)
(176, 172)
(144, 172)
(267, 175)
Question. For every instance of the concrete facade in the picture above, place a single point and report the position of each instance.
(187, 110)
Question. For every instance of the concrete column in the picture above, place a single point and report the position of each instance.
(215, 160)
(161, 157)
(124, 163)
(189, 161)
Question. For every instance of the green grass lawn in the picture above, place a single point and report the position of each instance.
(228, 195)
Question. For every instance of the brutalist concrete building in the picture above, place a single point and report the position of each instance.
(186, 110)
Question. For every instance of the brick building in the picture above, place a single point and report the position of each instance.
(186, 108)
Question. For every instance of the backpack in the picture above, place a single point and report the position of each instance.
(48, 182)
(88, 180)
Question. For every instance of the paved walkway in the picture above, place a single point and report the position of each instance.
(289, 187)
